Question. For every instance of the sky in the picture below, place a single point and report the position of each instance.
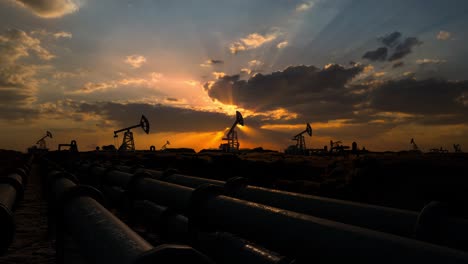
(375, 72)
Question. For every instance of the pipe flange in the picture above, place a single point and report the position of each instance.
(428, 223)
(233, 184)
(199, 195)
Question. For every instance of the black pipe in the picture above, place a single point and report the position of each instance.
(221, 246)
(11, 191)
(296, 235)
(102, 237)
(451, 231)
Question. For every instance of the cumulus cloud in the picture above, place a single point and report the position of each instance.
(379, 54)
(92, 87)
(56, 35)
(430, 61)
(18, 81)
(63, 34)
(246, 71)
(252, 41)
(50, 8)
(219, 75)
(405, 48)
(443, 35)
(255, 63)
(136, 61)
(282, 45)
(391, 39)
(15, 44)
(305, 90)
(156, 76)
(304, 6)
(379, 74)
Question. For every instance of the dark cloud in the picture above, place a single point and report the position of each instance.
(50, 8)
(171, 99)
(404, 48)
(398, 64)
(313, 93)
(15, 112)
(216, 61)
(391, 39)
(432, 98)
(162, 118)
(379, 54)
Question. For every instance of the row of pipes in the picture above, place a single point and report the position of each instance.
(302, 227)
(79, 214)
(12, 185)
(220, 247)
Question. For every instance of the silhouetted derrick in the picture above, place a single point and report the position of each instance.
(232, 144)
(300, 147)
(128, 143)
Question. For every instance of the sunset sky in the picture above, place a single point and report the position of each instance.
(375, 72)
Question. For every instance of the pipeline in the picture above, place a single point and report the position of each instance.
(290, 233)
(443, 230)
(102, 237)
(11, 192)
(220, 246)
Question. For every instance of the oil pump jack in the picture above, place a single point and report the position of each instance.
(232, 144)
(457, 148)
(128, 144)
(165, 145)
(300, 140)
(415, 147)
(41, 142)
(300, 147)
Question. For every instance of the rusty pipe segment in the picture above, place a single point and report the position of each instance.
(102, 237)
(221, 246)
(291, 233)
(11, 191)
